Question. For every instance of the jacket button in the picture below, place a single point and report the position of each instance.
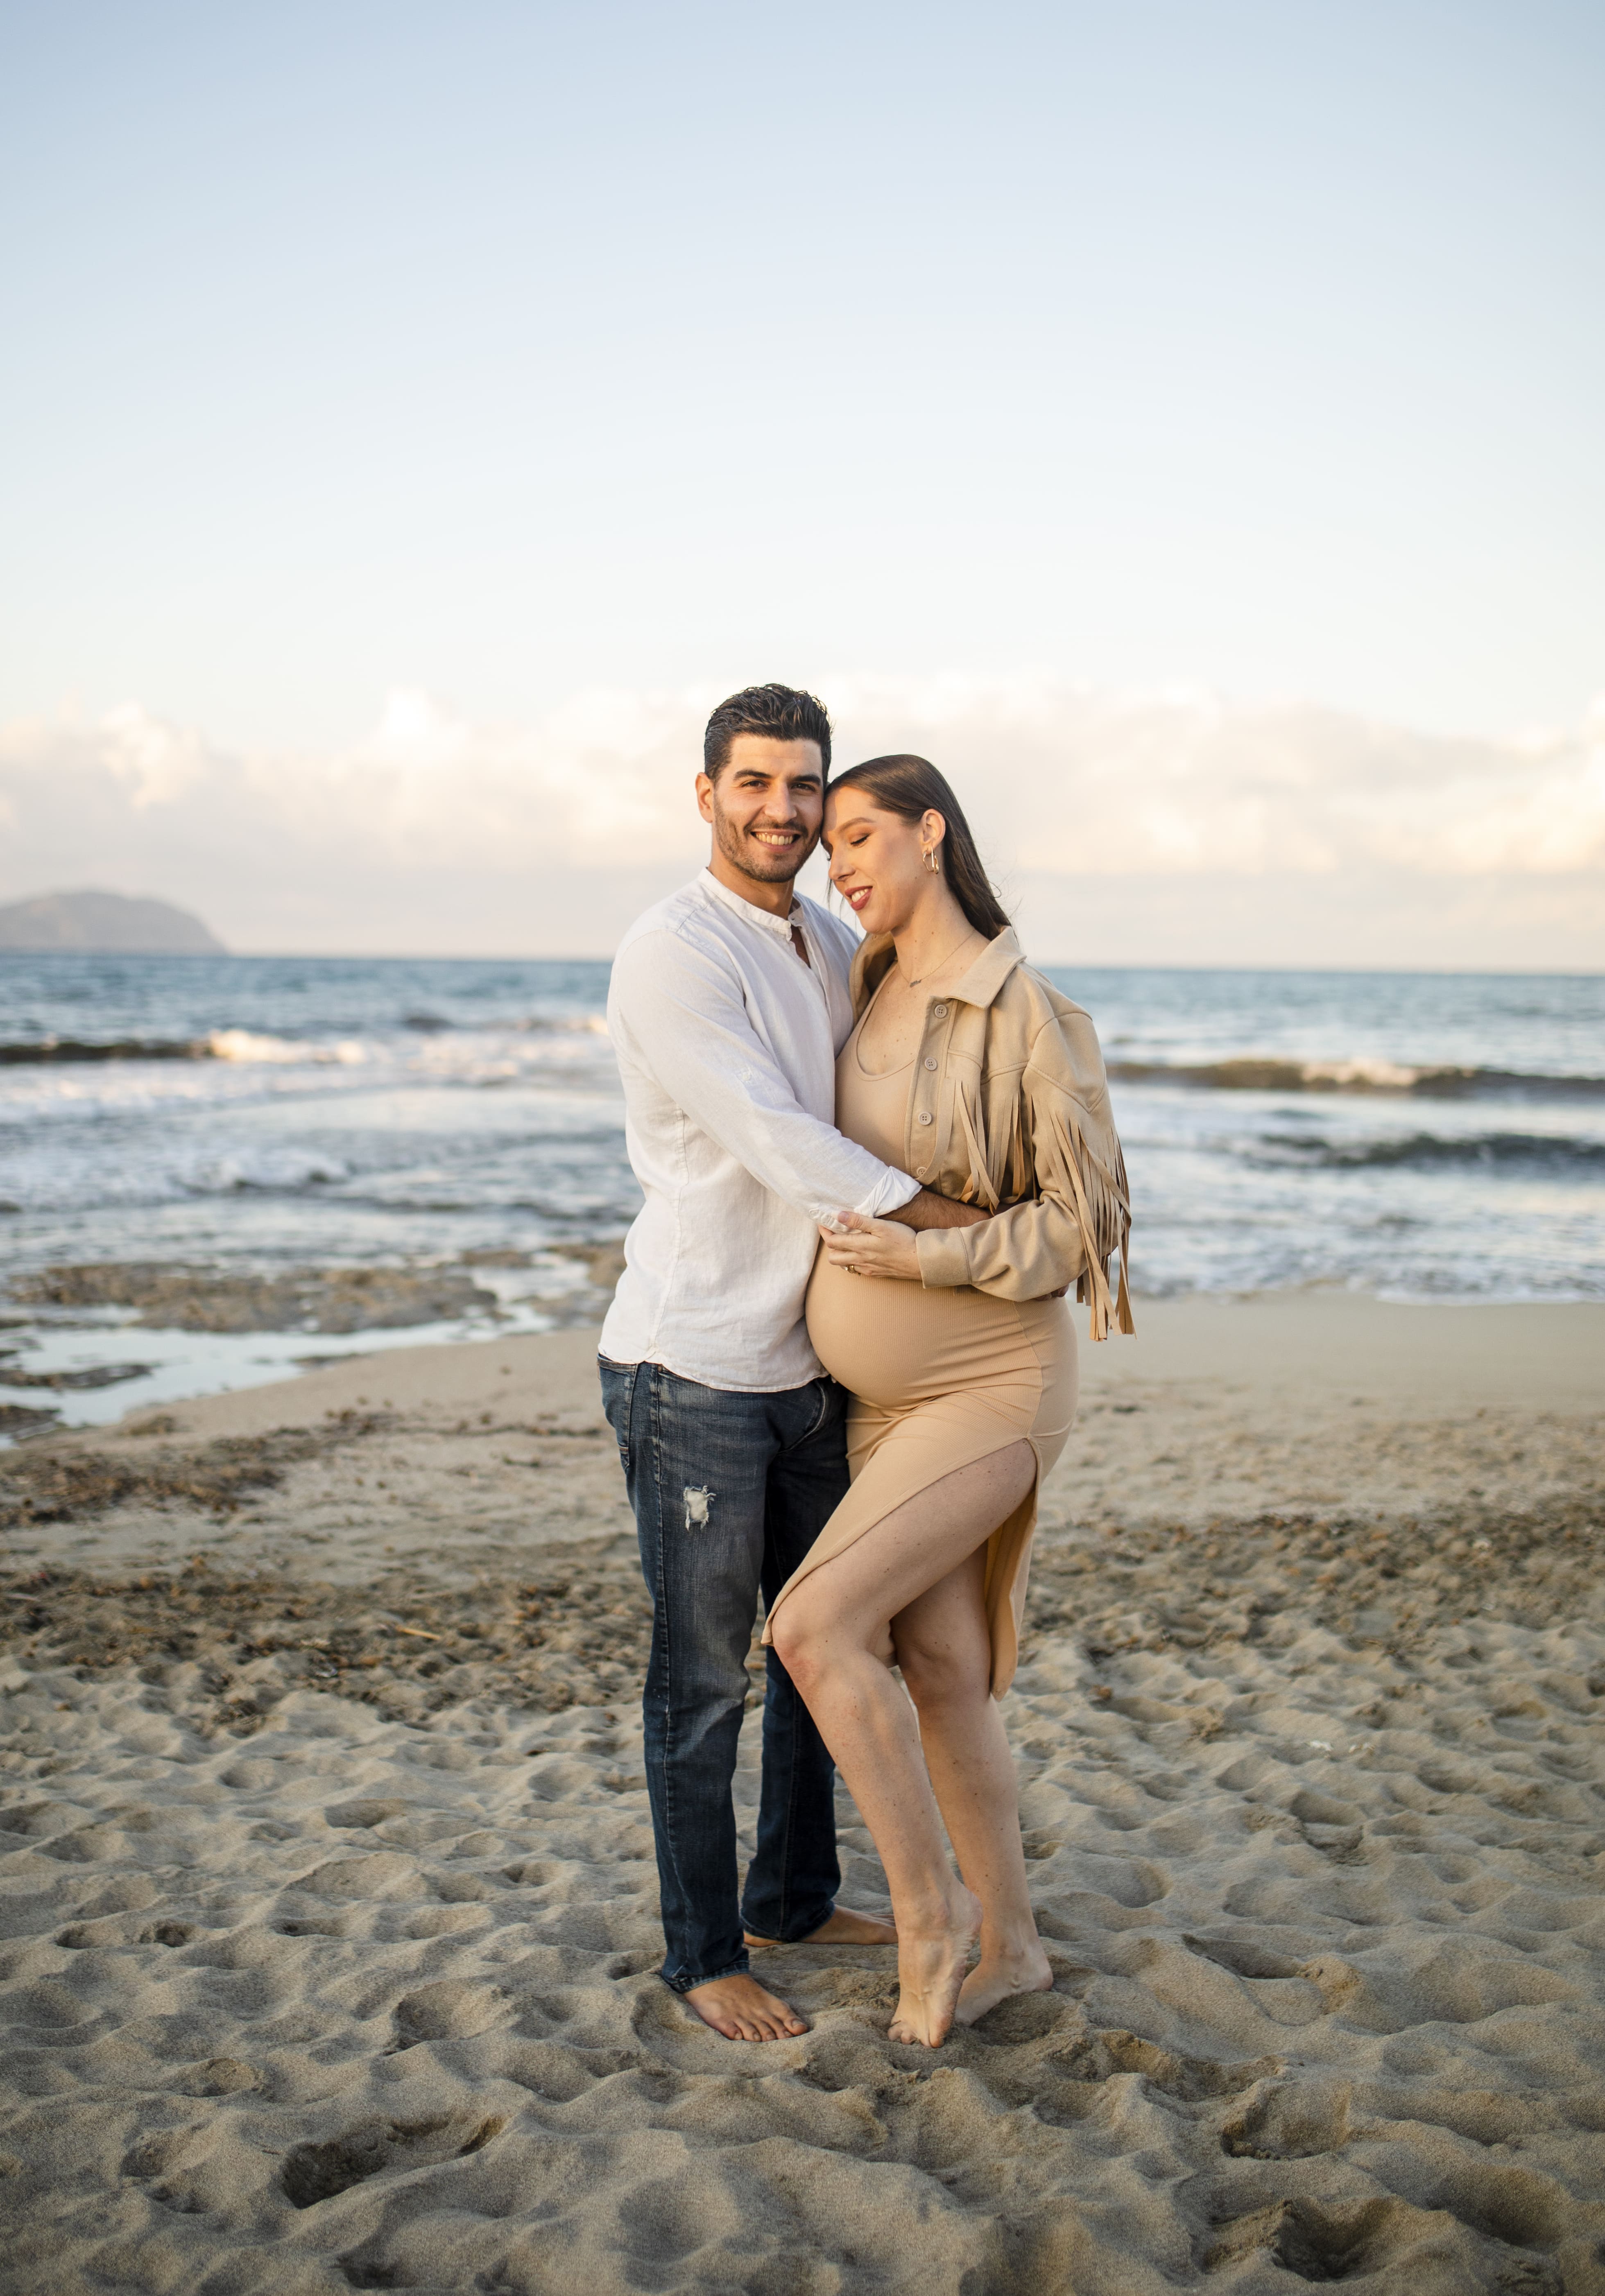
(924, 1117)
(930, 1064)
(939, 1012)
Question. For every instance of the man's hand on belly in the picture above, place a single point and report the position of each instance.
(871, 1247)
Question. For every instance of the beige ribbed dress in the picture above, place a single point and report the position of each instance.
(938, 1378)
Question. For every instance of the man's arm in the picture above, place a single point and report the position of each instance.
(928, 1209)
(686, 1024)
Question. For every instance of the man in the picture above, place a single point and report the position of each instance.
(728, 1006)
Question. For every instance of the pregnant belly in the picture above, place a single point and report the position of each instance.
(895, 1343)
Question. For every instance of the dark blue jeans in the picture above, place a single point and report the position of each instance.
(730, 1493)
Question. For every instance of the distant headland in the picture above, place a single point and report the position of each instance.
(109, 922)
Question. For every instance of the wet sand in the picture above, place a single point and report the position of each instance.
(328, 1909)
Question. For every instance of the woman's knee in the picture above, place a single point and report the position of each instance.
(945, 1673)
(796, 1641)
(809, 1635)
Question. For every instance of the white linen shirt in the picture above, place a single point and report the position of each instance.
(727, 1043)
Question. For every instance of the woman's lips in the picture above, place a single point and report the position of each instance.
(857, 895)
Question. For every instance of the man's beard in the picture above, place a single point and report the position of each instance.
(770, 864)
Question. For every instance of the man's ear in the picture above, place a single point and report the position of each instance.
(705, 795)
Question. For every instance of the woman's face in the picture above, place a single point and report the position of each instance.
(878, 858)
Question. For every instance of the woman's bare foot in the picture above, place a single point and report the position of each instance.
(930, 1972)
(843, 1927)
(996, 1976)
(740, 2009)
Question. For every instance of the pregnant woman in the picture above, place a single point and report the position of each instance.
(973, 1073)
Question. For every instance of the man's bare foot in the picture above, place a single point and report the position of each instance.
(843, 1927)
(996, 1976)
(930, 1972)
(740, 2009)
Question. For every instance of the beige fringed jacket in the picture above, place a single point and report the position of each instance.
(1010, 1110)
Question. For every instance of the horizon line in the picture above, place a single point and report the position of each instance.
(1042, 965)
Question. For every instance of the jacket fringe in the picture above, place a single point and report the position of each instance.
(1103, 1213)
(981, 1183)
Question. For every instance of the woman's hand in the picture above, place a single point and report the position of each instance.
(872, 1247)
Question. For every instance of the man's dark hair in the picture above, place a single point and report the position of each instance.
(780, 711)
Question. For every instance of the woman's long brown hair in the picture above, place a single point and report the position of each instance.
(909, 787)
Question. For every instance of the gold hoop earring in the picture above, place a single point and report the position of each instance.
(931, 862)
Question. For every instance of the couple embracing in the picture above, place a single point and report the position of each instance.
(840, 1360)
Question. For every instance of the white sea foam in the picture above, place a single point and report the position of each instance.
(1377, 1075)
(245, 1045)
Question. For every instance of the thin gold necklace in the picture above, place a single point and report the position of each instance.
(915, 978)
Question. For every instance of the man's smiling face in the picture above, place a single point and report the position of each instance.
(766, 808)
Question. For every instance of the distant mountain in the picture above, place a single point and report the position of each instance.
(105, 921)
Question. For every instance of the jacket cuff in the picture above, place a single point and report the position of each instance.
(943, 1260)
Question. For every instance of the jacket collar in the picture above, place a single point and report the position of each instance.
(979, 985)
(984, 979)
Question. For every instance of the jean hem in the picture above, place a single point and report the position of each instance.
(790, 1934)
(685, 1984)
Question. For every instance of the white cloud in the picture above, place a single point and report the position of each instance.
(154, 763)
(1170, 827)
(1078, 783)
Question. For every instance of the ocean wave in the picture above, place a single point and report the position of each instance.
(1429, 1152)
(282, 1170)
(246, 1045)
(37, 1050)
(1250, 1074)
(447, 1042)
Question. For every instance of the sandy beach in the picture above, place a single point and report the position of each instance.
(328, 1908)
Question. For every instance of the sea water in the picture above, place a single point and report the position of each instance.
(1421, 1136)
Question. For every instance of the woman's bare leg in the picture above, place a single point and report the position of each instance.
(832, 1632)
(944, 1649)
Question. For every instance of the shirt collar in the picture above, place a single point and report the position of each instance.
(749, 911)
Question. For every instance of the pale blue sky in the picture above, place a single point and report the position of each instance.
(502, 350)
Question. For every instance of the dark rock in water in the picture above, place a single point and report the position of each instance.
(17, 1420)
(170, 1297)
(604, 1262)
(97, 1376)
(109, 921)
